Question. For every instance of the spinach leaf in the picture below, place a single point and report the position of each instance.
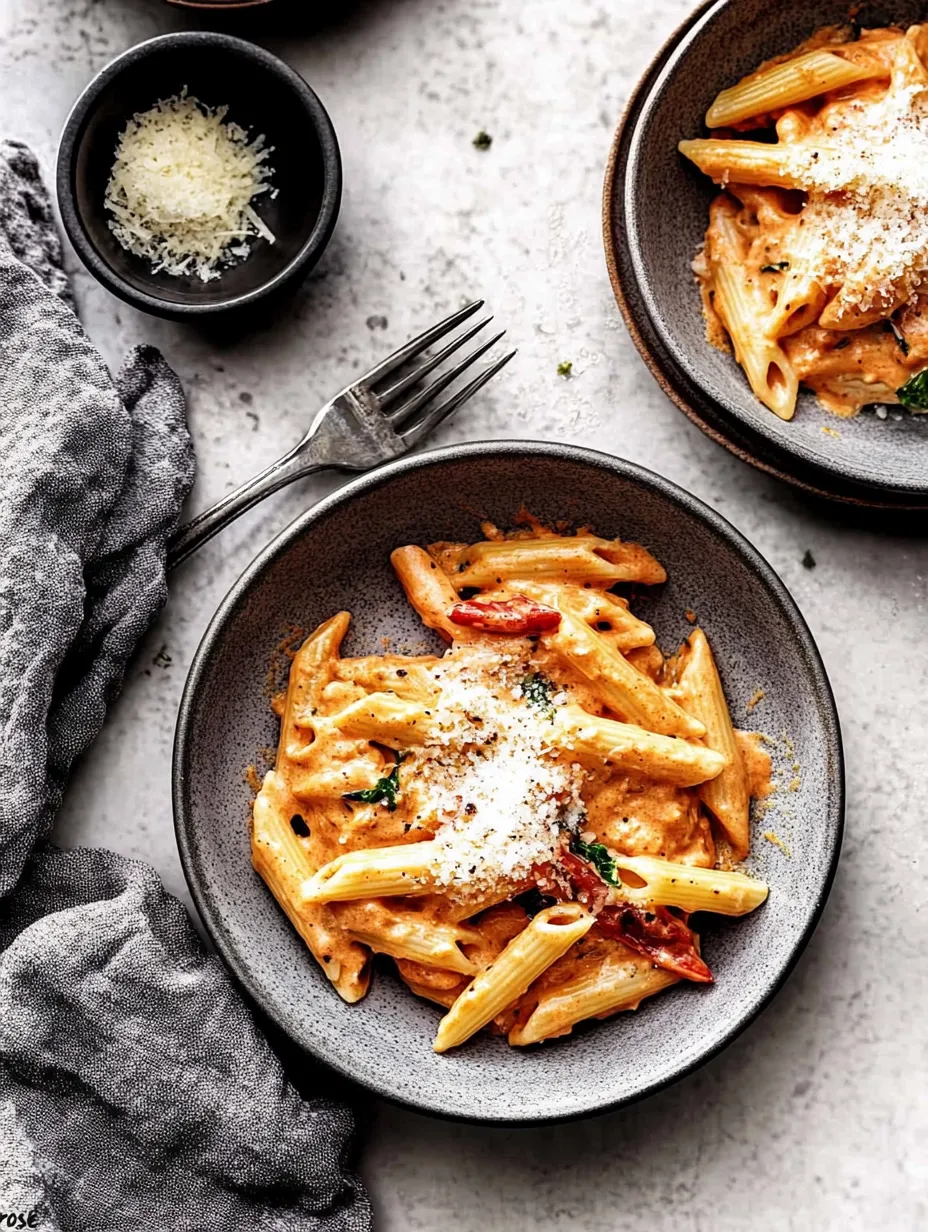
(536, 689)
(385, 791)
(914, 393)
(597, 855)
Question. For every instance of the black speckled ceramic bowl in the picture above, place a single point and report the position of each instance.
(337, 556)
(655, 214)
(265, 96)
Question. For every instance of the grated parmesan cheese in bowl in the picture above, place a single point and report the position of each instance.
(499, 793)
(182, 185)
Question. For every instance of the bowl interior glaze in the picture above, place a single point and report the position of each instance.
(337, 556)
(666, 204)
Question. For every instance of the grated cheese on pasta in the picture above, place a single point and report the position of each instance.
(499, 793)
(868, 196)
(181, 188)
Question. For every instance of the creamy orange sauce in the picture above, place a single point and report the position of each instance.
(636, 817)
(757, 763)
(318, 766)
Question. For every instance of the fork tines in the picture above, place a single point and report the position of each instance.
(415, 417)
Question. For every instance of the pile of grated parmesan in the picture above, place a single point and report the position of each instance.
(868, 197)
(181, 188)
(493, 782)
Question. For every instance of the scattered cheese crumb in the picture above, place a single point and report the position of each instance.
(833, 431)
(181, 188)
(771, 837)
(757, 696)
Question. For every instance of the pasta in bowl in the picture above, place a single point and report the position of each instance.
(525, 823)
(337, 558)
(814, 265)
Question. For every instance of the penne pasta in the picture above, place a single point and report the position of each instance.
(409, 678)
(665, 884)
(800, 295)
(630, 693)
(387, 719)
(784, 85)
(571, 558)
(407, 934)
(334, 781)
(727, 795)
(427, 589)
(549, 935)
(608, 613)
(908, 67)
(766, 364)
(282, 861)
(633, 749)
(309, 674)
(619, 983)
(377, 872)
(742, 162)
(846, 310)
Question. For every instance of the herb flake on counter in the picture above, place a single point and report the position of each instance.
(914, 393)
(482, 141)
(808, 561)
(565, 367)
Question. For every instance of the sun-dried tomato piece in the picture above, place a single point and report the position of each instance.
(518, 616)
(660, 935)
(585, 881)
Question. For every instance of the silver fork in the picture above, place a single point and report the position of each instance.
(360, 427)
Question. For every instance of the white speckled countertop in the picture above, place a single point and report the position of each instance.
(816, 1117)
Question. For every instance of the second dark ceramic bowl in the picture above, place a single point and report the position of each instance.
(655, 217)
(263, 95)
(337, 556)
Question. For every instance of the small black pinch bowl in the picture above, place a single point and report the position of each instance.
(263, 95)
(655, 215)
(337, 556)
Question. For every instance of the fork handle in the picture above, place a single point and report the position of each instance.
(186, 539)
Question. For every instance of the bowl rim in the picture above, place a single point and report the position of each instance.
(817, 478)
(303, 524)
(311, 249)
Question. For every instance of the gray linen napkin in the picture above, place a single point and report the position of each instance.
(135, 1090)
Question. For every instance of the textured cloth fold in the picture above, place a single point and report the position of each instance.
(135, 1071)
(135, 1090)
